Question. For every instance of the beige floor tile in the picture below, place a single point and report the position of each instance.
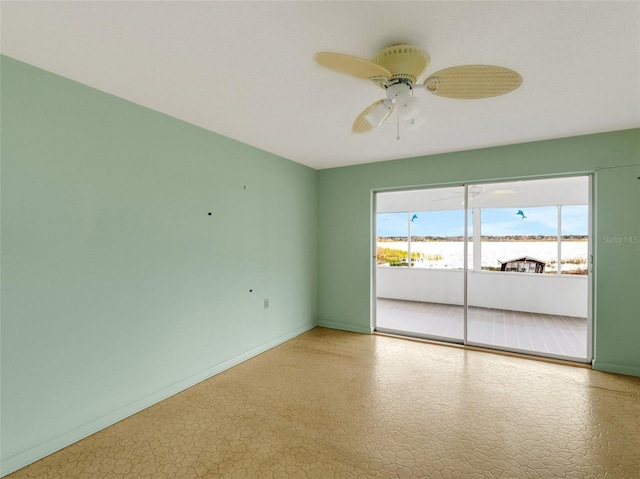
(335, 404)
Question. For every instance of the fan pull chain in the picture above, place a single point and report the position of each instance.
(398, 124)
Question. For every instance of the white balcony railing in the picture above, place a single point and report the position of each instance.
(565, 295)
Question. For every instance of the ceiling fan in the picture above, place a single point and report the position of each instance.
(477, 192)
(397, 69)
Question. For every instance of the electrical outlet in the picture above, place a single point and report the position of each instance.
(266, 303)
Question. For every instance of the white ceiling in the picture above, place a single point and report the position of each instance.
(246, 70)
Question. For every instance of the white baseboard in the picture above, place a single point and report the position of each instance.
(615, 368)
(345, 327)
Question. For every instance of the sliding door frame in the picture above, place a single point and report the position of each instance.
(465, 341)
(374, 269)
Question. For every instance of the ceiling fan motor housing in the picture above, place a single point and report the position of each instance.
(403, 61)
(398, 88)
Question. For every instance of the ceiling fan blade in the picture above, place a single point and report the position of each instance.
(447, 198)
(501, 192)
(357, 67)
(473, 81)
(362, 124)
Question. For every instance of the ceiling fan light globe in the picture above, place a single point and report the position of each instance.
(407, 107)
(378, 114)
(416, 122)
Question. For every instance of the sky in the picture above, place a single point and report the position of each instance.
(494, 222)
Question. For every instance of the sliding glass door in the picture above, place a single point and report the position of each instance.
(420, 263)
(500, 265)
(529, 291)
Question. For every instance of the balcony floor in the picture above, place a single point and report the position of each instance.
(553, 335)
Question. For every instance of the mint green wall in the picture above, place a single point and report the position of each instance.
(345, 213)
(617, 253)
(118, 288)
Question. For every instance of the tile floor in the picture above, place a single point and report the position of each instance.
(336, 404)
(560, 336)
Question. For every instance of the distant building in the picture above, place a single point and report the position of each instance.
(526, 264)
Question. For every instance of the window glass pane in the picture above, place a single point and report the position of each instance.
(392, 239)
(437, 239)
(515, 233)
(575, 224)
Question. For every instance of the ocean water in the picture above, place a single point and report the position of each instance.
(493, 252)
